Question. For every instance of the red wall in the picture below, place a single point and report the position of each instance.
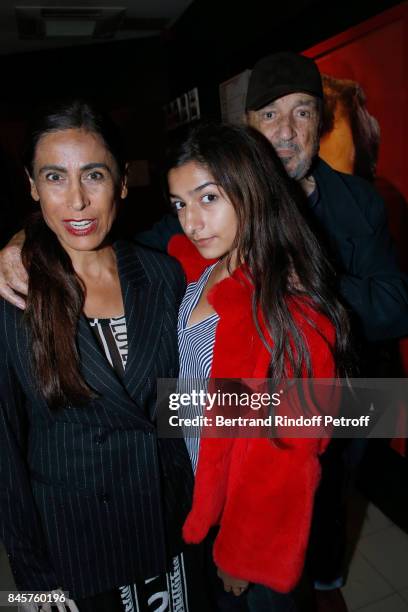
(375, 54)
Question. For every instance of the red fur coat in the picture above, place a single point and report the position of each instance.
(260, 494)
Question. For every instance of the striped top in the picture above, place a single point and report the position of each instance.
(112, 336)
(196, 345)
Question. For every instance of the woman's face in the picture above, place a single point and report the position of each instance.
(206, 214)
(74, 180)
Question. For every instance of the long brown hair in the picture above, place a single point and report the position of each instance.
(273, 240)
(56, 295)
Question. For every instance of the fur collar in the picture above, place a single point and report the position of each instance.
(237, 343)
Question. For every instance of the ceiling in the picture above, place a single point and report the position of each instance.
(30, 25)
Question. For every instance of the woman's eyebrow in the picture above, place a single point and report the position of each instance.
(196, 189)
(204, 185)
(52, 167)
(90, 166)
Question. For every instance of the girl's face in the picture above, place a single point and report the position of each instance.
(206, 214)
(74, 180)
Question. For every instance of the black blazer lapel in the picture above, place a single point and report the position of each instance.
(144, 317)
(103, 379)
(143, 310)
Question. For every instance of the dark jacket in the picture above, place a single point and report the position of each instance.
(83, 489)
(352, 223)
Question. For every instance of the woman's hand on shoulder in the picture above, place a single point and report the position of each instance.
(231, 584)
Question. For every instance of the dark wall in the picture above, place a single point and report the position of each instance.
(128, 79)
(123, 74)
(216, 39)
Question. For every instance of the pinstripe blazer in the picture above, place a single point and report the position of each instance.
(89, 497)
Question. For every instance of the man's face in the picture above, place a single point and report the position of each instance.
(291, 124)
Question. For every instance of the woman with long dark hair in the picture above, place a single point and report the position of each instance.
(264, 307)
(91, 500)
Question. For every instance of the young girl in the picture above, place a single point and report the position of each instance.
(258, 304)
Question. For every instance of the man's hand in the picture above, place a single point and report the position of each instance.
(13, 276)
(231, 584)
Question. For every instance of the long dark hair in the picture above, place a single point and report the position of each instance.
(56, 295)
(281, 252)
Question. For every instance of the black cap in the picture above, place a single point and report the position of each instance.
(281, 74)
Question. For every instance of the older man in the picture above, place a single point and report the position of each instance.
(284, 102)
